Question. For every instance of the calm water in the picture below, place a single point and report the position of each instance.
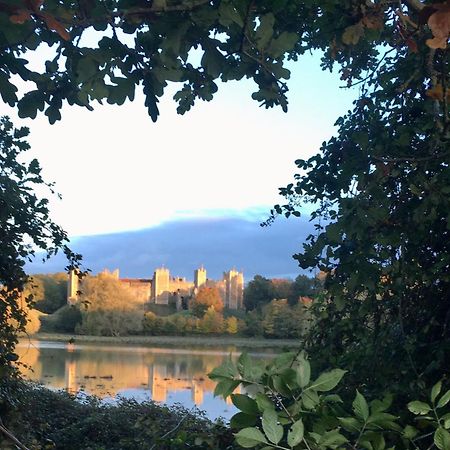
(166, 375)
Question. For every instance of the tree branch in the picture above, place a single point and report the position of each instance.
(11, 437)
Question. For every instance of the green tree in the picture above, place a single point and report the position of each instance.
(54, 292)
(282, 288)
(258, 292)
(281, 320)
(304, 286)
(211, 322)
(381, 185)
(25, 227)
(110, 308)
(379, 191)
(205, 298)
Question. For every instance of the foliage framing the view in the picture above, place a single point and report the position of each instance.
(25, 226)
(291, 409)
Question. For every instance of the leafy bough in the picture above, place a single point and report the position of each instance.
(285, 408)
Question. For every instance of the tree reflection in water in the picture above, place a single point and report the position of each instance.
(167, 375)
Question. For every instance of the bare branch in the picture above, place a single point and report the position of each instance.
(11, 437)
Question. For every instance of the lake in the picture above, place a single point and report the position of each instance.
(164, 374)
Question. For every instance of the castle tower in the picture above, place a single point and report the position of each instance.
(199, 277)
(234, 289)
(73, 286)
(161, 286)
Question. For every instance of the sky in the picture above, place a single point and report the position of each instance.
(119, 172)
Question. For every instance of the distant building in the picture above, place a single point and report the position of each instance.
(234, 289)
(163, 289)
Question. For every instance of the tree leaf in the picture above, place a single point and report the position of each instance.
(418, 407)
(443, 400)
(242, 420)
(295, 434)
(272, 429)
(442, 439)
(360, 407)
(264, 32)
(327, 380)
(303, 370)
(350, 424)
(439, 23)
(435, 391)
(245, 404)
(250, 437)
(353, 34)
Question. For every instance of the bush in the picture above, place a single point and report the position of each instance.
(291, 410)
(65, 320)
(43, 419)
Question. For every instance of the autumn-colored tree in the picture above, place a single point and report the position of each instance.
(212, 321)
(110, 309)
(205, 298)
(231, 325)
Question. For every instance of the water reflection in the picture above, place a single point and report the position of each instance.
(168, 375)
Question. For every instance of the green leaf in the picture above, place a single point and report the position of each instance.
(272, 429)
(282, 44)
(250, 437)
(442, 439)
(350, 424)
(332, 439)
(225, 370)
(303, 370)
(229, 15)
(242, 420)
(283, 360)
(213, 61)
(263, 402)
(327, 380)
(264, 32)
(295, 434)
(417, 407)
(443, 400)
(245, 404)
(360, 407)
(225, 387)
(435, 391)
(310, 399)
(7, 90)
(410, 432)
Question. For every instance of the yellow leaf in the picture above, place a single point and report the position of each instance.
(439, 23)
(353, 34)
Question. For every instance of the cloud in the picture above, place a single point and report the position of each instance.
(219, 243)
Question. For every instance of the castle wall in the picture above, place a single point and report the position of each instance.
(140, 287)
(163, 288)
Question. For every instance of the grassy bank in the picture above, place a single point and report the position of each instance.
(182, 341)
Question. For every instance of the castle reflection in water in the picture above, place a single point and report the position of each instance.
(158, 374)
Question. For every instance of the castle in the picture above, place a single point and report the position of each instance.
(163, 289)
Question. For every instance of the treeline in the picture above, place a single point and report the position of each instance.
(275, 308)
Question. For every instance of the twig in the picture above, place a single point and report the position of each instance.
(372, 72)
(175, 428)
(11, 437)
(410, 158)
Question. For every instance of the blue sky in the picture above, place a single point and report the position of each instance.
(117, 171)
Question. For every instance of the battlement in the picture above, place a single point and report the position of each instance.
(163, 289)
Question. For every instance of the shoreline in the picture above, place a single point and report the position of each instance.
(204, 341)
